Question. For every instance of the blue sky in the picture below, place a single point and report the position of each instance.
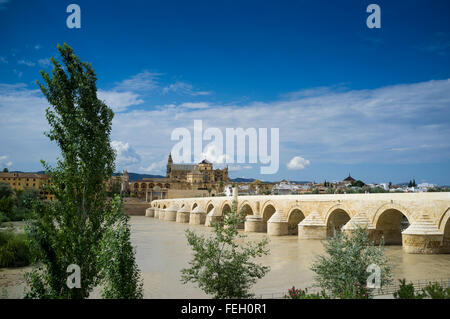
(372, 102)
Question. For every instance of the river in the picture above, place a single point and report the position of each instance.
(162, 251)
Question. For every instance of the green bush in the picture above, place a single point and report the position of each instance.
(343, 270)
(295, 293)
(3, 218)
(14, 251)
(7, 205)
(223, 265)
(5, 190)
(433, 291)
(406, 291)
(436, 291)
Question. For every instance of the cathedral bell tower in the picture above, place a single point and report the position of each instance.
(169, 166)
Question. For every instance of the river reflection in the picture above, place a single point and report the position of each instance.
(162, 251)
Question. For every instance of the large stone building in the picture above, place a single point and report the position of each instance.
(182, 180)
(21, 181)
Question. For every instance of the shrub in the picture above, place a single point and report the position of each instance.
(14, 251)
(406, 291)
(5, 190)
(222, 267)
(3, 218)
(295, 293)
(436, 291)
(342, 271)
(7, 205)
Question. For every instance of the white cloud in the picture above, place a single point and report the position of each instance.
(213, 154)
(297, 162)
(125, 154)
(143, 81)
(18, 73)
(155, 167)
(3, 60)
(26, 62)
(44, 62)
(183, 88)
(197, 105)
(4, 162)
(38, 47)
(234, 168)
(386, 125)
(119, 101)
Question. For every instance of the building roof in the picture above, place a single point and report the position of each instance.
(349, 178)
(22, 175)
(183, 167)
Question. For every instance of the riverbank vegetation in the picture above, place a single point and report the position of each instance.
(14, 250)
(433, 290)
(223, 266)
(342, 271)
(16, 205)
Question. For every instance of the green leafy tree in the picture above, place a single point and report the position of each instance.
(24, 205)
(223, 266)
(342, 271)
(5, 190)
(122, 274)
(358, 183)
(5, 170)
(70, 229)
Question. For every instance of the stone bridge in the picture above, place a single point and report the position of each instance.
(420, 222)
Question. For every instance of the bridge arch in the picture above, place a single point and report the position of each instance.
(248, 209)
(444, 227)
(267, 211)
(194, 205)
(380, 210)
(295, 216)
(209, 207)
(225, 207)
(336, 217)
(390, 224)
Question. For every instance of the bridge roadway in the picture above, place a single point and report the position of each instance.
(420, 222)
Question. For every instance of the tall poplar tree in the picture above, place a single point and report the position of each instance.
(71, 229)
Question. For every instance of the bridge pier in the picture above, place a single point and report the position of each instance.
(156, 215)
(254, 223)
(312, 227)
(183, 215)
(150, 212)
(197, 217)
(211, 217)
(277, 225)
(171, 213)
(162, 213)
(423, 237)
(363, 221)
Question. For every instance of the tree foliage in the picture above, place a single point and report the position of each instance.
(70, 229)
(223, 266)
(342, 271)
(117, 257)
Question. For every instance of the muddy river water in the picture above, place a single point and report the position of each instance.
(162, 251)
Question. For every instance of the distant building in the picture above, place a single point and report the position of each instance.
(21, 181)
(182, 180)
(349, 179)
